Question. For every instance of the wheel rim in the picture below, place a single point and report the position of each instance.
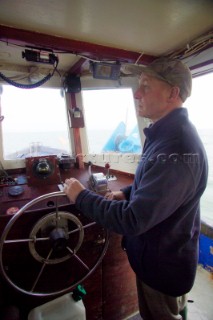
(59, 236)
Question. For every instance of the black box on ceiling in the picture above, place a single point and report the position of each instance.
(107, 71)
(72, 84)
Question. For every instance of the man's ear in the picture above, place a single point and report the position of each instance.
(174, 93)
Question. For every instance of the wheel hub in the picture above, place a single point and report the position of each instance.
(58, 239)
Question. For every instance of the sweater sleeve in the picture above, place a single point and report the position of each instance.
(161, 191)
(127, 191)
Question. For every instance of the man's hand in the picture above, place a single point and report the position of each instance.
(115, 195)
(72, 188)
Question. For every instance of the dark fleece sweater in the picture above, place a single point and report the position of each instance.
(160, 218)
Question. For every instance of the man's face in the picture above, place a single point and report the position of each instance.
(152, 96)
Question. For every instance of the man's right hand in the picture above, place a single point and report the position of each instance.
(115, 195)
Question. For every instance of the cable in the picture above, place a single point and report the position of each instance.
(25, 86)
(195, 46)
(141, 54)
(29, 86)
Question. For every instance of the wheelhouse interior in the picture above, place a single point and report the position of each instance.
(67, 109)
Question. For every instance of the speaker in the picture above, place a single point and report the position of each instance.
(72, 84)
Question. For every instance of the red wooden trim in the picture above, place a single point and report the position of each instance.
(78, 147)
(71, 103)
(91, 50)
(76, 68)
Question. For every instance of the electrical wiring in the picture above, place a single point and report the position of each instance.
(140, 56)
(190, 50)
(193, 47)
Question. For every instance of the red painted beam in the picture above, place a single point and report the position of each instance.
(71, 103)
(90, 50)
(76, 68)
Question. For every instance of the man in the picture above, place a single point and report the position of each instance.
(158, 215)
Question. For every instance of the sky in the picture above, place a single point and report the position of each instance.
(44, 107)
(200, 104)
(108, 107)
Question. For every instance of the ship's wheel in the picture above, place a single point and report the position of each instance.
(49, 254)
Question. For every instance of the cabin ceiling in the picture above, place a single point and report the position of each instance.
(138, 27)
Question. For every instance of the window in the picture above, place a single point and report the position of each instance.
(111, 121)
(199, 106)
(35, 122)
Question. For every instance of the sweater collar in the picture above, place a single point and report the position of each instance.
(167, 125)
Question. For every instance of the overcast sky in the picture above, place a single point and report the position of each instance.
(200, 104)
(39, 110)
